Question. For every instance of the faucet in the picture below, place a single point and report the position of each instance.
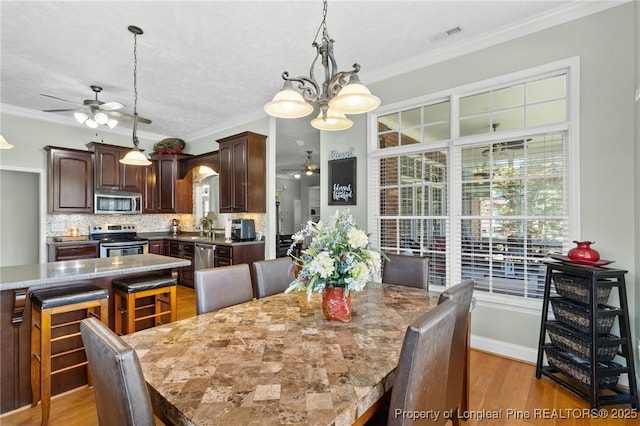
(207, 222)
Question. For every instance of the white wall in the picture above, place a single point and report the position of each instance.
(607, 47)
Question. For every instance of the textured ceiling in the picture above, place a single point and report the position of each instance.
(206, 65)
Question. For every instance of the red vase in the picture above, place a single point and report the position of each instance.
(335, 306)
(583, 252)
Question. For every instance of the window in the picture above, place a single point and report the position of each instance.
(479, 181)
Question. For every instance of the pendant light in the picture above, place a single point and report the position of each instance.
(135, 157)
(4, 144)
(340, 93)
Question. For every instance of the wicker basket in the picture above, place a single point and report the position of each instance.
(578, 289)
(569, 340)
(580, 369)
(578, 317)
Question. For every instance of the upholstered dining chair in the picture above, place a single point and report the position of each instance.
(421, 375)
(411, 271)
(121, 393)
(272, 276)
(462, 295)
(217, 288)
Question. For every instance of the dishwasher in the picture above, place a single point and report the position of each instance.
(205, 256)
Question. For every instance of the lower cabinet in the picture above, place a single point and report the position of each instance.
(72, 251)
(184, 250)
(156, 246)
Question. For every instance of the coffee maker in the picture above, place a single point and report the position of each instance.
(243, 230)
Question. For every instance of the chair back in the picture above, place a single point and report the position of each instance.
(461, 294)
(217, 288)
(272, 276)
(410, 271)
(121, 393)
(421, 376)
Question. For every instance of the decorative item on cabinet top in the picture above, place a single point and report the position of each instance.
(169, 146)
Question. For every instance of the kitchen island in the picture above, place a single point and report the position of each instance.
(15, 312)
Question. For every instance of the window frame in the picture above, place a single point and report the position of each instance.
(453, 146)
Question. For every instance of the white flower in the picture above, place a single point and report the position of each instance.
(357, 238)
(322, 265)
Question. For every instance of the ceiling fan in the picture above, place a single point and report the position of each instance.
(308, 168)
(501, 147)
(94, 112)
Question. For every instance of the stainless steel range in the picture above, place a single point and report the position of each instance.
(118, 240)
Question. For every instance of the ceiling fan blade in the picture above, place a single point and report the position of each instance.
(110, 106)
(57, 110)
(129, 117)
(60, 99)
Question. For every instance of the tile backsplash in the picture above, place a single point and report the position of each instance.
(62, 224)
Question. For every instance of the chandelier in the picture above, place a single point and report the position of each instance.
(340, 93)
(135, 157)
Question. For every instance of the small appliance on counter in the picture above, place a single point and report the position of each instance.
(243, 230)
(175, 227)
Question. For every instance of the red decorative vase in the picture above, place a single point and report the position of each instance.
(335, 306)
(584, 252)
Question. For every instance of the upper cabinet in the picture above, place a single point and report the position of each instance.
(110, 174)
(243, 173)
(70, 180)
(163, 191)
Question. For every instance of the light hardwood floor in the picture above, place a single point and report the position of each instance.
(499, 386)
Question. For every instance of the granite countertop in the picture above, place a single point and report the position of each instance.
(195, 237)
(23, 276)
(276, 360)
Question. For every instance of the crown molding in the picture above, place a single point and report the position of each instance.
(562, 14)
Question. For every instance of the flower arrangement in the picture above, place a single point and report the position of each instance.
(169, 146)
(338, 256)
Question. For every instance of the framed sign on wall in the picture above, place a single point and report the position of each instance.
(342, 181)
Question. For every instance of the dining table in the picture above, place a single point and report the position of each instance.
(277, 360)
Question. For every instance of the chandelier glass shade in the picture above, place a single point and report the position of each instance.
(4, 144)
(135, 157)
(340, 92)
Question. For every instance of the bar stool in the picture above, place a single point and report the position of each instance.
(47, 331)
(129, 290)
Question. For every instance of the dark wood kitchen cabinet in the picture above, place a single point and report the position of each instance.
(110, 174)
(163, 191)
(156, 246)
(243, 173)
(184, 250)
(73, 251)
(70, 180)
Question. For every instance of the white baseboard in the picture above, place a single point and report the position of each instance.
(518, 352)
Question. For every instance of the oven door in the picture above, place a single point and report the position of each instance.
(123, 248)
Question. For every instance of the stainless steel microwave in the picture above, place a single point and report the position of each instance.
(117, 203)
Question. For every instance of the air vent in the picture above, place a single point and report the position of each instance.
(444, 34)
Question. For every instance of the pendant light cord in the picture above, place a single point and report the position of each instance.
(135, 89)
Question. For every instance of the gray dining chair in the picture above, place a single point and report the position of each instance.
(120, 391)
(272, 276)
(217, 288)
(411, 271)
(462, 295)
(423, 367)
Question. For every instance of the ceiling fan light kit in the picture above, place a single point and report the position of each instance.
(340, 93)
(135, 157)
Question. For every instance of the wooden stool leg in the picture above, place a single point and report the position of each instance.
(173, 303)
(158, 308)
(117, 321)
(45, 365)
(130, 300)
(36, 336)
